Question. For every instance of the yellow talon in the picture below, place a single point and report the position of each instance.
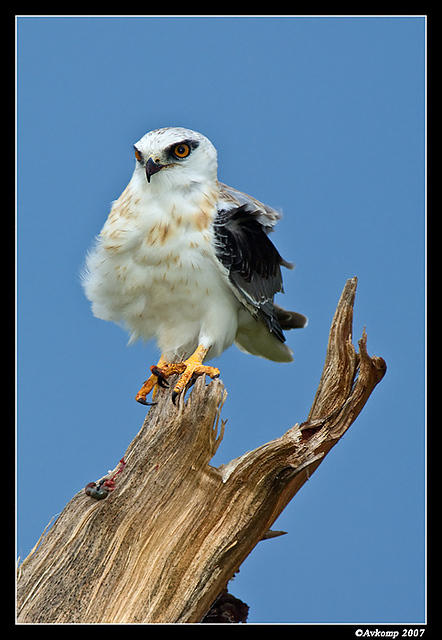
(189, 369)
(153, 382)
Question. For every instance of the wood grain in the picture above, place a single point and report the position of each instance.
(164, 544)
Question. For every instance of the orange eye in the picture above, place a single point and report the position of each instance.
(181, 150)
(138, 155)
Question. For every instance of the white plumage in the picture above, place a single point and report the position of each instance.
(158, 267)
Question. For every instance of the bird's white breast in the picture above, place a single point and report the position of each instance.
(154, 271)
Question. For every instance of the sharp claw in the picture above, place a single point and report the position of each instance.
(143, 401)
(162, 381)
(190, 370)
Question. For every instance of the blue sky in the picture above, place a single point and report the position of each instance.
(323, 118)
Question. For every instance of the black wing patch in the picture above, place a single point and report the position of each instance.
(253, 262)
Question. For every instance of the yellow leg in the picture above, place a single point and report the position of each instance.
(189, 369)
(151, 383)
(193, 367)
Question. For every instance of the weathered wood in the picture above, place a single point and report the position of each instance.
(163, 545)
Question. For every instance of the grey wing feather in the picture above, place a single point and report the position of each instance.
(253, 263)
(267, 216)
(231, 198)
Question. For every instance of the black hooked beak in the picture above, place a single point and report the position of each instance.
(152, 167)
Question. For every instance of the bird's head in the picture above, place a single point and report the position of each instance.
(174, 157)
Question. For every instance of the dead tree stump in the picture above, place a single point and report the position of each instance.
(164, 544)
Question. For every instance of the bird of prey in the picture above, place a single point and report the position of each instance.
(186, 260)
